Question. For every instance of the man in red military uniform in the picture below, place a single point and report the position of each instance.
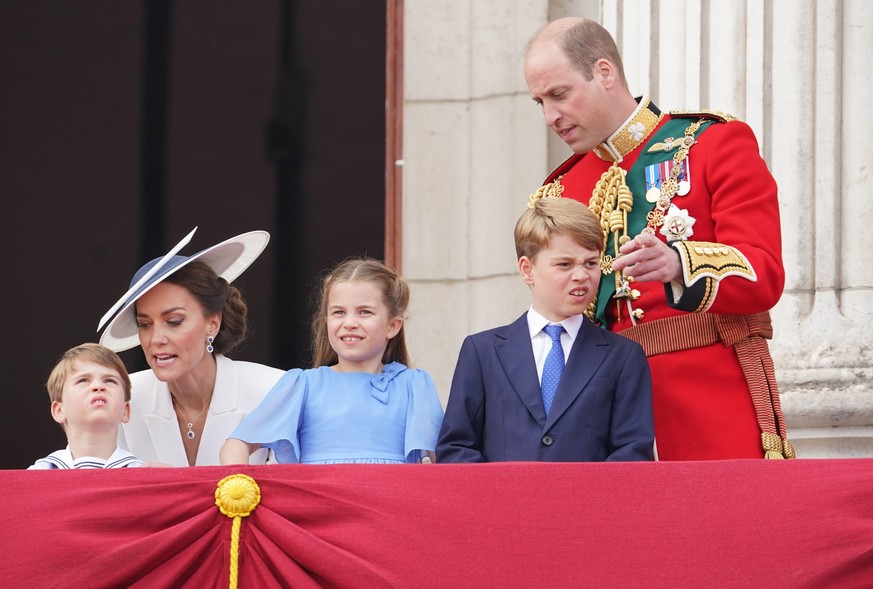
(693, 258)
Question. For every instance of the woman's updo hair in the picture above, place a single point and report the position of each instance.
(215, 295)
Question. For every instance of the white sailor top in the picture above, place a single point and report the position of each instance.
(63, 459)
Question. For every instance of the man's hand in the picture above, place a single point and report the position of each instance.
(647, 258)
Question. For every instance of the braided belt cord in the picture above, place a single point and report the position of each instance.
(747, 334)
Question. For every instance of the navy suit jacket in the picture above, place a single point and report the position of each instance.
(602, 408)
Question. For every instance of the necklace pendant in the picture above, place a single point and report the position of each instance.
(191, 435)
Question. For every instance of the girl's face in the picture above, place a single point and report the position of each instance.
(359, 325)
(173, 330)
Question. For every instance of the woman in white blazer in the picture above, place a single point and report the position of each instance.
(185, 314)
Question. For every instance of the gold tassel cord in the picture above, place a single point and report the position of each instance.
(236, 496)
(611, 200)
(553, 189)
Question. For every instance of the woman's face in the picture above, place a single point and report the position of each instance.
(173, 330)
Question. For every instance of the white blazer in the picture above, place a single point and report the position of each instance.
(152, 433)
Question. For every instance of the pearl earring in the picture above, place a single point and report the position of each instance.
(209, 347)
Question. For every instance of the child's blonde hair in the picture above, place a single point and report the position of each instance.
(395, 295)
(550, 216)
(89, 352)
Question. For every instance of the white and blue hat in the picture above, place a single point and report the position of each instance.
(228, 259)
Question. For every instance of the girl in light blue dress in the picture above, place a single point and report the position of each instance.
(361, 403)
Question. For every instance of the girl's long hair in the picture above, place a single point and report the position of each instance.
(395, 295)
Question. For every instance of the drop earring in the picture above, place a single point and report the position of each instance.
(209, 347)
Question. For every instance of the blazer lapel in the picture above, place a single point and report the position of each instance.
(586, 356)
(516, 356)
(163, 427)
(223, 416)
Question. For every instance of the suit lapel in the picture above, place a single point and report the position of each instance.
(223, 416)
(163, 427)
(516, 356)
(586, 356)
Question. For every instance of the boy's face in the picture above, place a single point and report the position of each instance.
(563, 278)
(93, 397)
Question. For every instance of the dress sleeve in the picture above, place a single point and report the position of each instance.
(275, 421)
(424, 415)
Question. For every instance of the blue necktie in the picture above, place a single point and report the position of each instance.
(553, 367)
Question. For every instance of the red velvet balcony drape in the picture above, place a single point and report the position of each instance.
(799, 523)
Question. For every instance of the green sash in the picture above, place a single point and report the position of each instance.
(636, 182)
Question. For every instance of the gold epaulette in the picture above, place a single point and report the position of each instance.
(703, 114)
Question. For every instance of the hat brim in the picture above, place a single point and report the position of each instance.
(228, 259)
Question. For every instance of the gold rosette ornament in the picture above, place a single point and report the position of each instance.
(237, 496)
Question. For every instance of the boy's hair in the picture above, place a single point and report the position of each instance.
(395, 295)
(89, 352)
(550, 216)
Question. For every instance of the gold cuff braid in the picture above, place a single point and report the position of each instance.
(715, 260)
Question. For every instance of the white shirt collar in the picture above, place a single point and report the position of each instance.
(536, 322)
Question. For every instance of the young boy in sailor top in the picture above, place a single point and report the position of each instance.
(90, 394)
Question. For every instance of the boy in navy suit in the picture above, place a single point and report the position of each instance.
(551, 386)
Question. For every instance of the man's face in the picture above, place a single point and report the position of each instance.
(576, 109)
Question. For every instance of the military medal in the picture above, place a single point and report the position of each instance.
(684, 179)
(657, 174)
(653, 183)
(677, 224)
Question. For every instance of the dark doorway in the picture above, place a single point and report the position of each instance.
(126, 124)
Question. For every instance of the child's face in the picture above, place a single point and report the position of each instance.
(173, 330)
(93, 396)
(359, 325)
(563, 278)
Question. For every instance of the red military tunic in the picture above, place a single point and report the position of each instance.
(732, 263)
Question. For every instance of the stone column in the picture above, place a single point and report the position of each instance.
(474, 149)
(794, 70)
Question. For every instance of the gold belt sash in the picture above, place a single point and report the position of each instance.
(747, 334)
